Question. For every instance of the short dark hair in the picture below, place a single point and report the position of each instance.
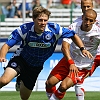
(91, 11)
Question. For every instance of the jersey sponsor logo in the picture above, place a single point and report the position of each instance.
(40, 45)
(14, 64)
(33, 36)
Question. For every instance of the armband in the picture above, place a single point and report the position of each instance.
(70, 62)
(82, 48)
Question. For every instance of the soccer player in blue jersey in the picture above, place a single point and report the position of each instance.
(38, 41)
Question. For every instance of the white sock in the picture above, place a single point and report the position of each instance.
(53, 97)
(79, 92)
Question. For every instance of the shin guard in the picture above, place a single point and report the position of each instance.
(79, 92)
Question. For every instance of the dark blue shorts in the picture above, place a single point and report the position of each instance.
(28, 74)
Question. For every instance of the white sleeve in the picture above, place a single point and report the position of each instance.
(98, 50)
(98, 20)
(68, 40)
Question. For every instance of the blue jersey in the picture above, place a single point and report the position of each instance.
(36, 49)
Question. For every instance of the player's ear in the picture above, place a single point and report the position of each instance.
(82, 17)
(33, 19)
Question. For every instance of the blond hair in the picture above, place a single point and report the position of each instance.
(40, 10)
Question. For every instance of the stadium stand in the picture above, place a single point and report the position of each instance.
(60, 16)
(64, 17)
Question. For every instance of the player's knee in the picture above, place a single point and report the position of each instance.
(3, 82)
(48, 84)
(62, 88)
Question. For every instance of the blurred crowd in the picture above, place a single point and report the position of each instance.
(12, 10)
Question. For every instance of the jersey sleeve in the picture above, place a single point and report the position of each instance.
(14, 38)
(67, 33)
(61, 32)
(98, 20)
(72, 26)
(18, 34)
(68, 40)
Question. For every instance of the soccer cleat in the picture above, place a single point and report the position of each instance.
(17, 86)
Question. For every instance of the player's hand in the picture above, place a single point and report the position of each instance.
(73, 69)
(87, 54)
(3, 60)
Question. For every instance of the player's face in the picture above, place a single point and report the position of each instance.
(88, 21)
(86, 5)
(40, 23)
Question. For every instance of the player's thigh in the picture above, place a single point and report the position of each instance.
(24, 92)
(52, 80)
(67, 83)
(8, 74)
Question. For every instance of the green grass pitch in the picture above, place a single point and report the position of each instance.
(13, 95)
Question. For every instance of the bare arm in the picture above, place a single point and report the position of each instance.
(3, 51)
(66, 51)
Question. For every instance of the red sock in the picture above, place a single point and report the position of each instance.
(51, 90)
(59, 95)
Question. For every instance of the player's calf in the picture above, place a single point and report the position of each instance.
(50, 91)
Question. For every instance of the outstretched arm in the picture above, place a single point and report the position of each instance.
(3, 51)
(66, 51)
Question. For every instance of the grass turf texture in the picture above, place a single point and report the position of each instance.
(9, 95)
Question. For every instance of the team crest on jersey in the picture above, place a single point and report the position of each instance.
(14, 64)
(48, 37)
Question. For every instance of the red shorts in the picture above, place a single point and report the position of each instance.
(61, 71)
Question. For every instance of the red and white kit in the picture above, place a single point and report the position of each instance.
(91, 41)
